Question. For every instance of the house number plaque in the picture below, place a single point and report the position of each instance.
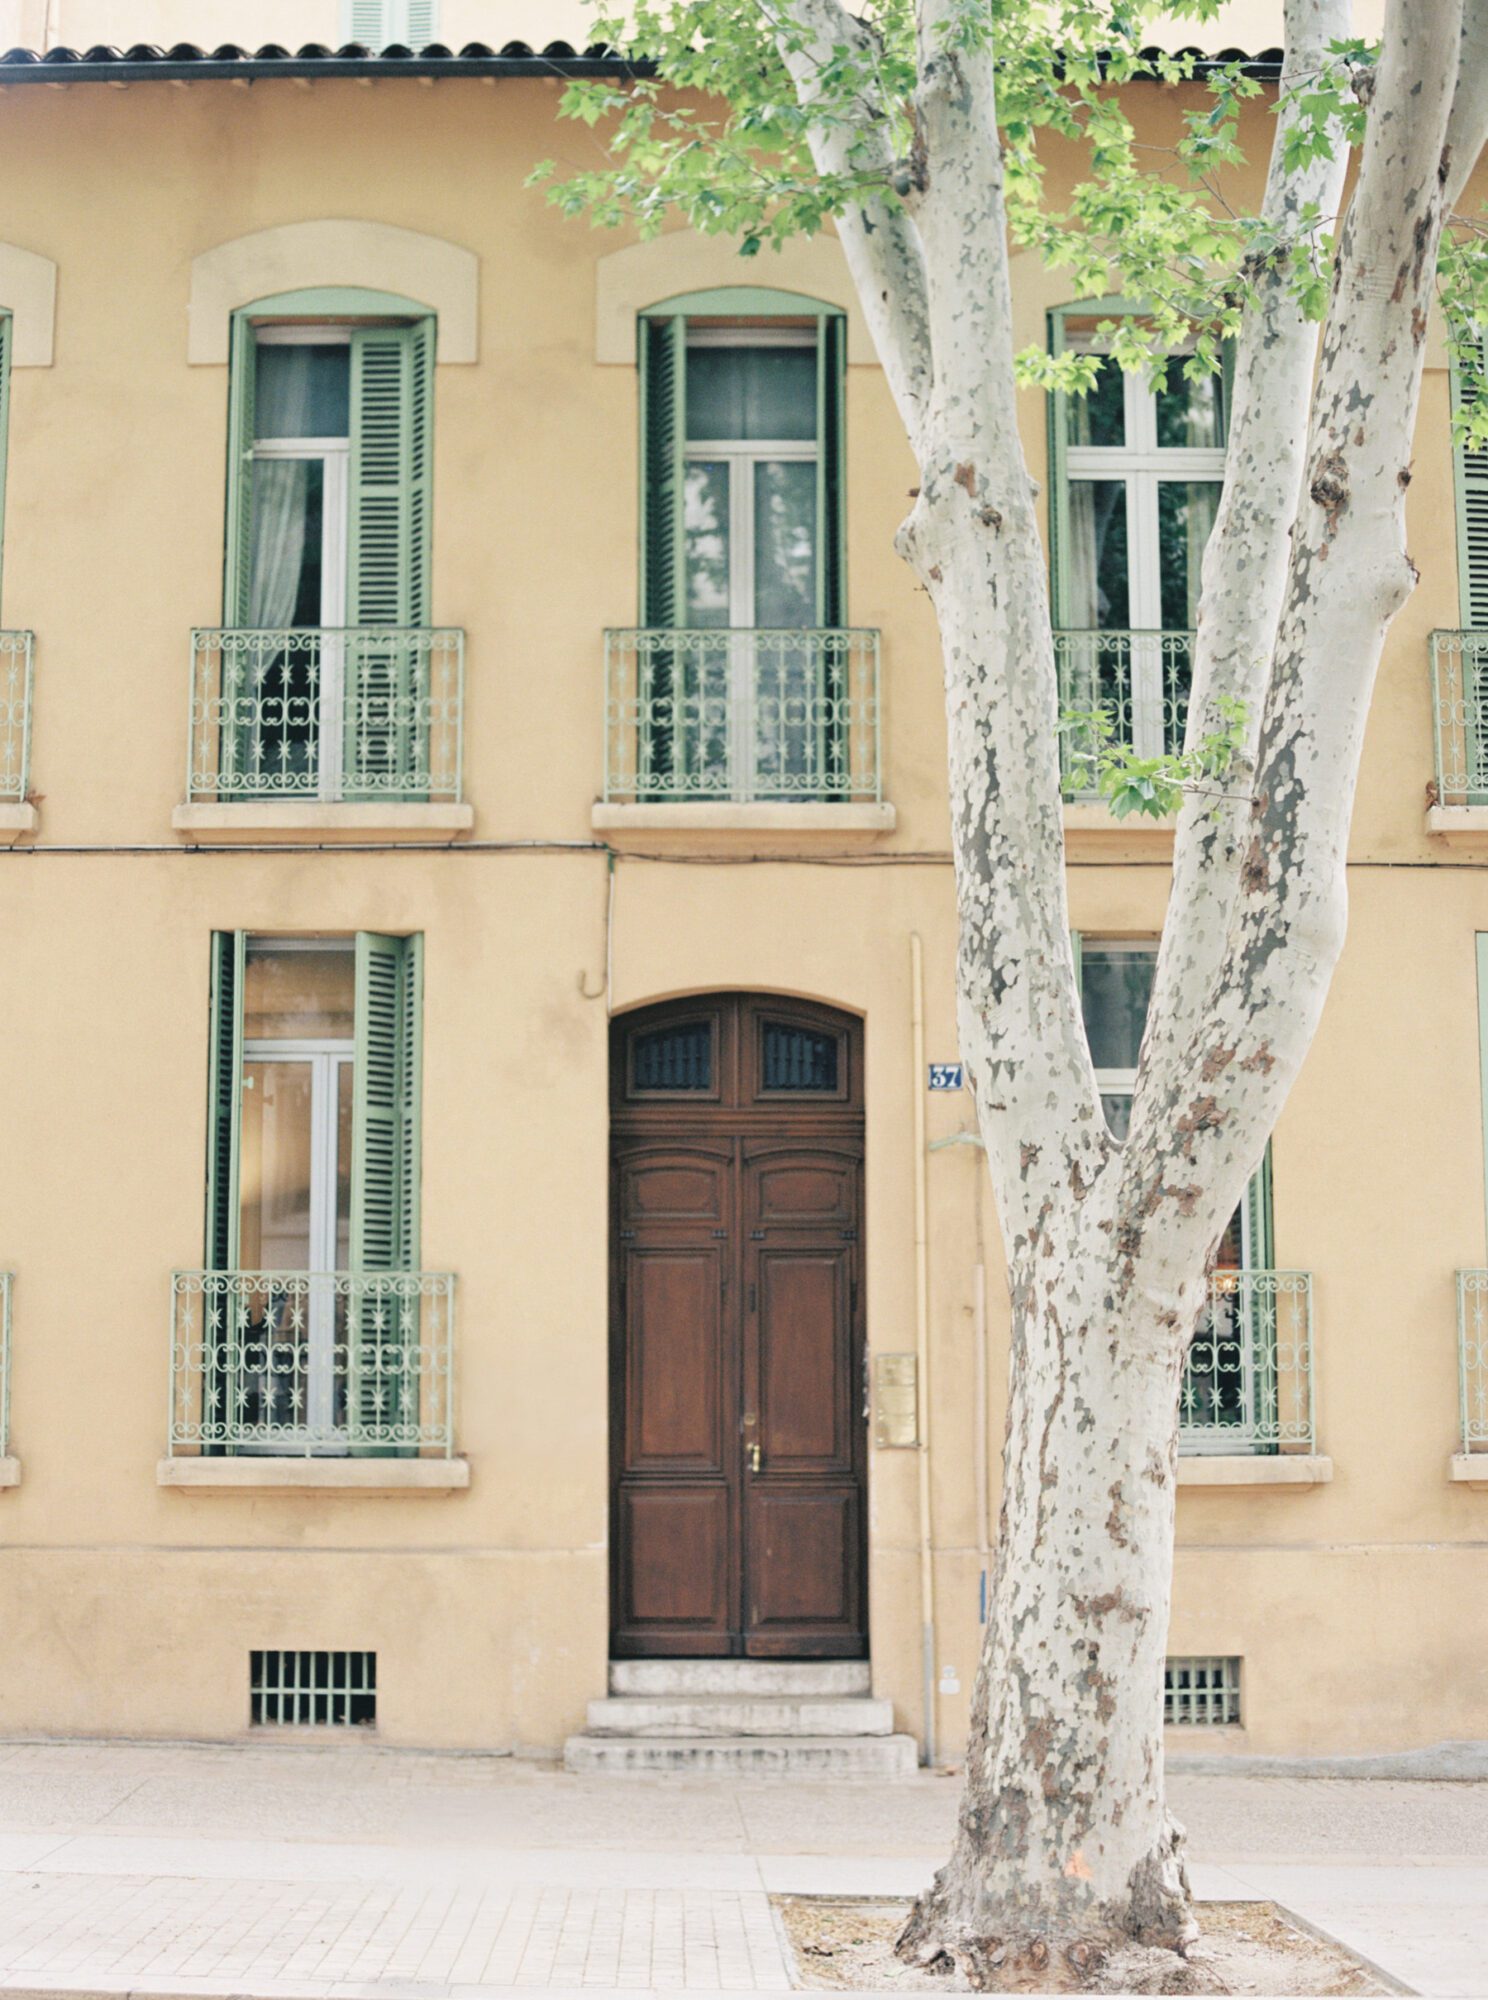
(895, 1401)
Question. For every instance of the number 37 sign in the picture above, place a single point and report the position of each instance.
(947, 1076)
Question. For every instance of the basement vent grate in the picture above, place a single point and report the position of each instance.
(336, 1689)
(1205, 1691)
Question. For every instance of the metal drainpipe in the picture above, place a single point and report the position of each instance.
(922, 1349)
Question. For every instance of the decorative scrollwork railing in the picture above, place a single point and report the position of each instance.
(1472, 1357)
(1138, 680)
(300, 1363)
(15, 716)
(1459, 702)
(356, 712)
(739, 716)
(1247, 1385)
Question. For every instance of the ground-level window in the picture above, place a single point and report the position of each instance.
(742, 546)
(1229, 1390)
(321, 673)
(1137, 470)
(313, 1191)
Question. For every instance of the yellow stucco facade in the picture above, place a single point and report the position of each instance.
(128, 1607)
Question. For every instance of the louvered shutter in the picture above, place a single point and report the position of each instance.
(366, 23)
(4, 421)
(1259, 1254)
(224, 1098)
(422, 24)
(235, 691)
(238, 563)
(392, 417)
(663, 368)
(1468, 390)
(831, 484)
(383, 1322)
(223, 1311)
(1260, 1307)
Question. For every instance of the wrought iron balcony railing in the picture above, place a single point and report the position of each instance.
(356, 712)
(735, 716)
(1138, 680)
(15, 716)
(1472, 1356)
(1247, 1387)
(1459, 700)
(302, 1364)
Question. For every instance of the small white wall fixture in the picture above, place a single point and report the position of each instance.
(308, 256)
(28, 292)
(680, 262)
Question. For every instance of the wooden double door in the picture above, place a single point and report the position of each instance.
(738, 1436)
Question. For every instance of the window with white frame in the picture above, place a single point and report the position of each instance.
(1138, 471)
(1229, 1387)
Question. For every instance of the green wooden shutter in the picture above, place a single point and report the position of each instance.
(1260, 1253)
(831, 482)
(383, 1322)
(663, 372)
(420, 28)
(224, 1098)
(392, 420)
(1058, 497)
(1471, 469)
(237, 566)
(4, 420)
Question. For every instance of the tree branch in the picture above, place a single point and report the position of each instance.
(1245, 564)
(1193, 1143)
(973, 538)
(880, 242)
(1469, 120)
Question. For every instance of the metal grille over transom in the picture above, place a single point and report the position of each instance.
(798, 1059)
(1201, 1691)
(677, 1058)
(334, 1689)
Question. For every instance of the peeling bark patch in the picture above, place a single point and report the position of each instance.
(1116, 1519)
(1028, 1156)
(1077, 1867)
(1216, 1063)
(1254, 873)
(1330, 487)
(1260, 1061)
(965, 477)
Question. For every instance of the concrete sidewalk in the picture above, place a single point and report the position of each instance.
(353, 1871)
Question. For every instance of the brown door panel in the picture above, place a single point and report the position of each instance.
(675, 1574)
(803, 1190)
(669, 1187)
(802, 1570)
(674, 1361)
(804, 1373)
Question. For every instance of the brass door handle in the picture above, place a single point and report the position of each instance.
(754, 1458)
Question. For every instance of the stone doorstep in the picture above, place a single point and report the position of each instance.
(745, 1756)
(717, 1715)
(692, 1678)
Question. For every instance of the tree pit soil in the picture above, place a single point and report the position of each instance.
(847, 1944)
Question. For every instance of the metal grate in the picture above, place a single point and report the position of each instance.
(679, 1058)
(1201, 1691)
(334, 1689)
(799, 1059)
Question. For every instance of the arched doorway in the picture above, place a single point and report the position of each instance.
(737, 1438)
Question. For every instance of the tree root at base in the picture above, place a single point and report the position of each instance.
(1102, 1959)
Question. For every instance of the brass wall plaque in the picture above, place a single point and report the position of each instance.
(896, 1401)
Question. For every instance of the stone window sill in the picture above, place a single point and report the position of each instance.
(287, 819)
(699, 817)
(10, 1472)
(1096, 826)
(1469, 1468)
(14, 821)
(1284, 1469)
(314, 1475)
(1458, 822)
